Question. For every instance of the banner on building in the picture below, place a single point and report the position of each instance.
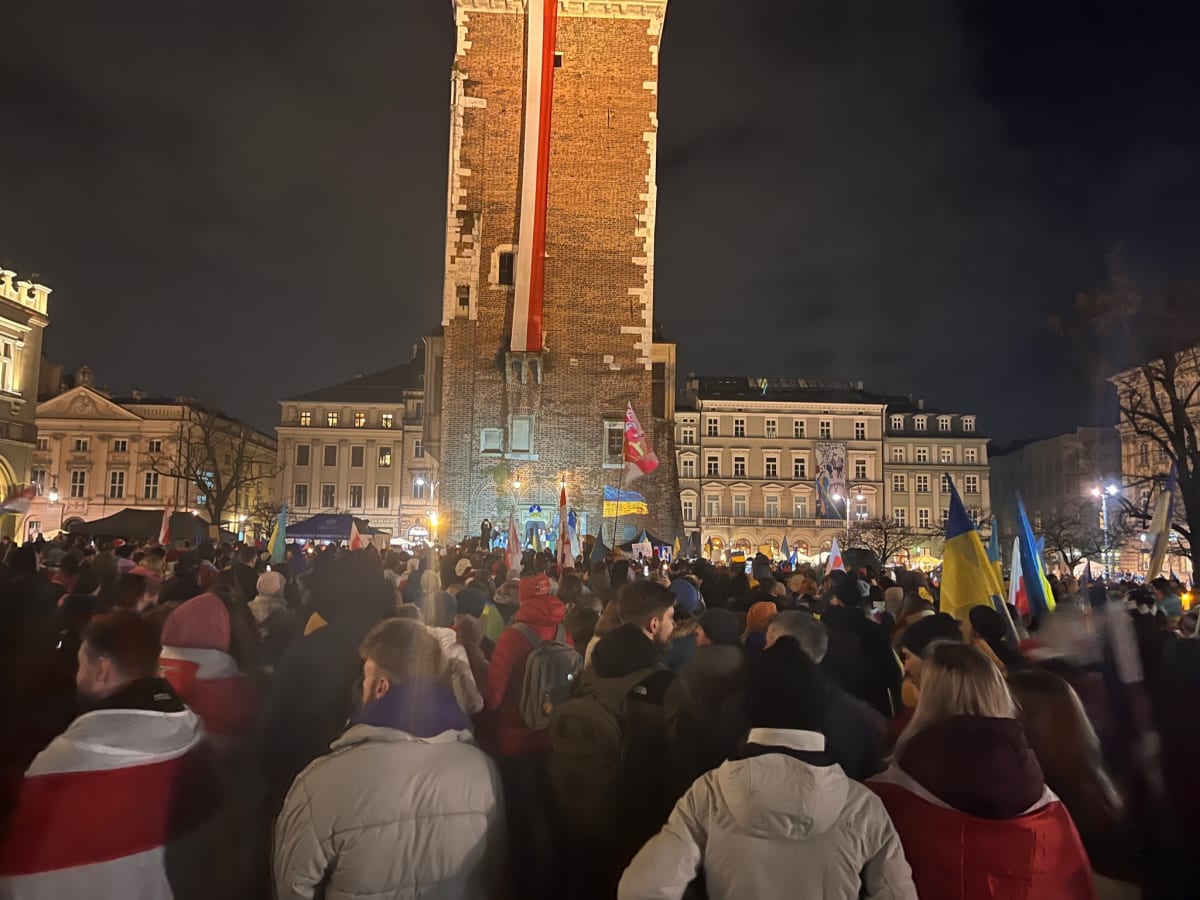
(830, 458)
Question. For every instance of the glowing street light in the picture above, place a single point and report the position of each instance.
(1104, 491)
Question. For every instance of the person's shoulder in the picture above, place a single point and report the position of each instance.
(653, 689)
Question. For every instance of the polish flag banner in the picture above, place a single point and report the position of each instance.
(356, 541)
(639, 455)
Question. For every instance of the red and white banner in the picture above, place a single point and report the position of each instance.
(18, 499)
(514, 546)
(164, 531)
(639, 455)
(530, 276)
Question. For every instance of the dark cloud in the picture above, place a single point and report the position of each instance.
(241, 202)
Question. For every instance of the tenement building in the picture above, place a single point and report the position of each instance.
(548, 307)
(98, 454)
(22, 319)
(358, 447)
(764, 459)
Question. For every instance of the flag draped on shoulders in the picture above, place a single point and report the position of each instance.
(1040, 598)
(968, 576)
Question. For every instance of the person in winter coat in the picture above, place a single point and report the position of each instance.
(968, 797)
(715, 672)
(117, 805)
(404, 805)
(439, 612)
(198, 661)
(276, 622)
(860, 657)
(780, 821)
(520, 750)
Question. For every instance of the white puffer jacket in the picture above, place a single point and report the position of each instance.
(388, 815)
(772, 826)
(461, 677)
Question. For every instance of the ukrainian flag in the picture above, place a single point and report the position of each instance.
(277, 545)
(1033, 569)
(968, 577)
(624, 503)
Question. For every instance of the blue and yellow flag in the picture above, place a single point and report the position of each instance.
(279, 537)
(1033, 569)
(619, 502)
(993, 552)
(968, 577)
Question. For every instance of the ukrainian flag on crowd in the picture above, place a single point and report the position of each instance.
(619, 502)
(968, 577)
(278, 538)
(1033, 569)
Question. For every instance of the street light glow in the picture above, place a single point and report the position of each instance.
(516, 485)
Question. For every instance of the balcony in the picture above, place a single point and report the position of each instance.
(756, 522)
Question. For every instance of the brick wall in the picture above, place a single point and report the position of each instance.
(599, 268)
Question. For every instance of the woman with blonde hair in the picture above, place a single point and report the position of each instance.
(968, 797)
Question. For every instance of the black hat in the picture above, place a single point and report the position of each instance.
(851, 591)
(988, 623)
(785, 689)
(923, 632)
(624, 651)
(721, 626)
(471, 602)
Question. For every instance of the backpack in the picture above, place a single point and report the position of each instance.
(551, 670)
(592, 751)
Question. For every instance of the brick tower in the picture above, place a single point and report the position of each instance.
(548, 309)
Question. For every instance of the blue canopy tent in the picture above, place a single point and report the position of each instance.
(333, 527)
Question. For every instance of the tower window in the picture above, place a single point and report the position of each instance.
(558, 59)
(507, 276)
(464, 296)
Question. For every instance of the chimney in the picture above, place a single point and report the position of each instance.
(138, 396)
(921, 404)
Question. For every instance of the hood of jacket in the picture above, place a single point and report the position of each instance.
(947, 758)
(717, 661)
(201, 623)
(778, 797)
(541, 609)
(421, 708)
(263, 606)
(447, 637)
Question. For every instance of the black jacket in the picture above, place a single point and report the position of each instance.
(860, 659)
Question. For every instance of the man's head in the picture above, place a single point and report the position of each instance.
(649, 606)
(396, 651)
(247, 556)
(1162, 587)
(784, 689)
(117, 649)
(808, 632)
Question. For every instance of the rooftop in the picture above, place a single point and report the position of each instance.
(782, 390)
(387, 386)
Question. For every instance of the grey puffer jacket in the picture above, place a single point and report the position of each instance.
(389, 815)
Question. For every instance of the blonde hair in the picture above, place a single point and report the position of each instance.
(957, 679)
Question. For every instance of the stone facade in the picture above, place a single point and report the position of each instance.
(509, 428)
(358, 447)
(23, 317)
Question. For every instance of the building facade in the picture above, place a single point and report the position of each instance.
(23, 318)
(358, 447)
(97, 455)
(922, 449)
(547, 313)
(764, 459)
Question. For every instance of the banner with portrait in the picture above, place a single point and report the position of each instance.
(830, 459)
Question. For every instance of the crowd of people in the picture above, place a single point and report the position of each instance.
(195, 722)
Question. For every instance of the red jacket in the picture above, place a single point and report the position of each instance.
(955, 856)
(502, 690)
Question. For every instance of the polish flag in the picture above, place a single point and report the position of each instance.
(835, 563)
(356, 541)
(565, 557)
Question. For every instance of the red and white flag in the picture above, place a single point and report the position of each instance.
(164, 530)
(356, 541)
(639, 455)
(565, 558)
(514, 545)
(835, 563)
(19, 499)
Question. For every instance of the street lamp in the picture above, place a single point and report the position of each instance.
(53, 495)
(433, 524)
(837, 498)
(1104, 492)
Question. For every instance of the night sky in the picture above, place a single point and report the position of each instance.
(244, 201)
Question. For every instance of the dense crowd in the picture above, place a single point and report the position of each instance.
(194, 722)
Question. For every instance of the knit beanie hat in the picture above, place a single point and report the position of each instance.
(721, 626)
(471, 602)
(271, 584)
(687, 598)
(923, 632)
(784, 689)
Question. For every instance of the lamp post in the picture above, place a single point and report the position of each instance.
(1104, 492)
(859, 497)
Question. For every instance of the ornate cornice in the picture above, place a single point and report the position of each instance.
(599, 9)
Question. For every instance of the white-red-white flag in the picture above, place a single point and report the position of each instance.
(514, 545)
(565, 558)
(639, 455)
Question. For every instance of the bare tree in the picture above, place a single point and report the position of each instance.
(1075, 532)
(229, 464)
(885, 537)
(1153, 342)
